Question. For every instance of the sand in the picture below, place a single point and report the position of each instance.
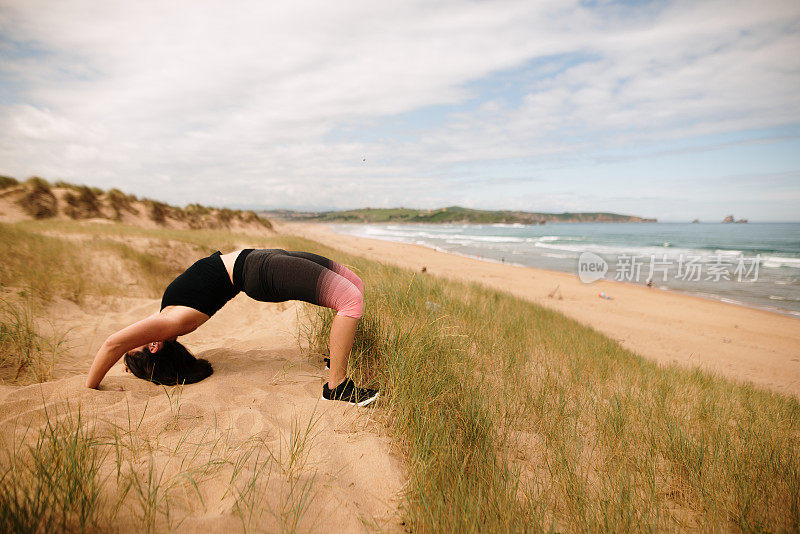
(263, 385)
(737, 342)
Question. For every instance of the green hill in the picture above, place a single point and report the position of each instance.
(454, 214)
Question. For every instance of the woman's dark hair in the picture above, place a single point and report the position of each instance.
(171, 365)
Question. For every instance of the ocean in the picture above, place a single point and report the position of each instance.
(753, 264)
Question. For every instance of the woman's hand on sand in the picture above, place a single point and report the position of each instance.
(108, 388)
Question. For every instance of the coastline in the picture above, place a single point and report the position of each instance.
(697, 294)
(764, 295)
(670, 327)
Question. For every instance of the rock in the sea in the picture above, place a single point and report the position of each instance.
(730, 219)
(695, 221)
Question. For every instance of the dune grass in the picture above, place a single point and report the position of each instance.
(75, 475)
(53, 485)
(46, 267)
(26, 354)
(42, 265)
(37, 257)
(516, 417)
(211, 239)
(283, 471)
(39, 201)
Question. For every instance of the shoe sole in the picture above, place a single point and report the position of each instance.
(363, 403)
(369, 400)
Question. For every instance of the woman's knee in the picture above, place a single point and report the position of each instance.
(350, 302)
(337, 292)
(357, 282)
(340, 269)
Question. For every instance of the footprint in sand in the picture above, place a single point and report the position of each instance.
(249, 422)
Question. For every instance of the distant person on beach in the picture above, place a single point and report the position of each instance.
(268, 275)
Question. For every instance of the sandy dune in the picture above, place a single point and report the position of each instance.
(737, 342)
(262, 387)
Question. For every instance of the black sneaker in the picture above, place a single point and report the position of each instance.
(347, 391)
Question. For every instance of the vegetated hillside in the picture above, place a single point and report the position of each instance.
(36, 198)
(455, 214)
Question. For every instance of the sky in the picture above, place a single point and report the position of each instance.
(675, 109)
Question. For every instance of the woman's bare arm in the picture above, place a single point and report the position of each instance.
(155, 328)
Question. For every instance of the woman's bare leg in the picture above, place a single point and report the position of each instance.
(343, 332)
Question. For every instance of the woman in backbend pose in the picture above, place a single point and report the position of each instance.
(271, 275)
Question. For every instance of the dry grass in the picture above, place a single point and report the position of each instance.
(7, 181)
(53, 484)
(82, 203)
(121, 203)
(515, 417)
(39, 201)
(78, 475)
(48, 267)
(40, 265)
(49, 259)
(26, 354)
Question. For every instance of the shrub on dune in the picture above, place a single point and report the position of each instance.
(36, 181)
(65, 185)
(225, 216)
(7, 181)
(39, 202)
(158, 211)
(83, 204)
(251, 217)
(120, 202)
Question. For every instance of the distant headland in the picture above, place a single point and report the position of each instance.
(451, 214)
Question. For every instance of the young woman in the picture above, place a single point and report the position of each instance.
(268, 275)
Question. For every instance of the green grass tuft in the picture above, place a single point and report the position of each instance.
(53, 485)
(26, 355)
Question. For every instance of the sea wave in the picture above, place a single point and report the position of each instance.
(447, 237)
(780, 261)
(560, 256)
(615, 250)
(674, 253)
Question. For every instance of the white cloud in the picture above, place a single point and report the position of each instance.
(224, 102)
